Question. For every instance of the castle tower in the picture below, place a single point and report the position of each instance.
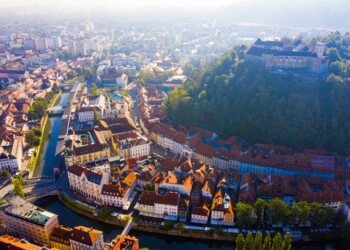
(319, 49)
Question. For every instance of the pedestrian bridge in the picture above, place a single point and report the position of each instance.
(35, 197)
(56, 110)
(128, 227)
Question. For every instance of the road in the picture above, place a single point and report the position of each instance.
(6, 190)
(134, 112)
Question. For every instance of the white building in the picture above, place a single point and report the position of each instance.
(132, 148)
(200, 214)
(172, 183)
(86, 114)
(117, 194)
(114, 80)
(91, 103)
(222, 209)
(160, 206)
(87, 182)
(11, 156)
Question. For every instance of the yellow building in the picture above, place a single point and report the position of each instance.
(84, 147)
(60, 238)
(27, 221)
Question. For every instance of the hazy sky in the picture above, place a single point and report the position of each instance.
(301, 13)
(120, 3)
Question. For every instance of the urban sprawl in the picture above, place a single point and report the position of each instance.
(119, 153)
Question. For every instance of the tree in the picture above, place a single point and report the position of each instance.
(259, 207)
(318, 215)
(20, 179)
(276, 242)
(168, 225)
(105, 213)
(301, 211)
(94, 89)
(249, 242)
(31, 139)
(333, 55)
(258, 241)
(337, 68)
(244, 214)
(37, 132)
(38, 109)
(96, 116)
(180, 226)
(287, 242)
(149, 186)
(278, 211)
(71, 74)
(17, 187)
(5, 174)
(267, 242)
(240, 242)
(126, 218)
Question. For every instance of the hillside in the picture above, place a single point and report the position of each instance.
(236, 97)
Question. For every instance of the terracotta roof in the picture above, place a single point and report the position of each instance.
(209, 186)
(61, 235)
(205, 150)
(87, 149)
(89, 109)
(130, 179)
(150, 198)
(76, 169)
(85, 235)
(125, 242)
(118, 189)
(92, 176)
(202, 210)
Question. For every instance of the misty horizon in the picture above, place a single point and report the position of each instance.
(310, 13)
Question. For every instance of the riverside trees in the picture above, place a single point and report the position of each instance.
(276, 212)
(257, 242)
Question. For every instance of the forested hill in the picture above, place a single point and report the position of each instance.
(240, 98)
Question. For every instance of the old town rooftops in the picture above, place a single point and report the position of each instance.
(91, 176)
(150, 198)
(61, 235)
(85, 235)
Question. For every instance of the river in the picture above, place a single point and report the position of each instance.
(49, 160)
(68, 218)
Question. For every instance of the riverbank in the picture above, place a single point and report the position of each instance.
(217, 234)
(150, 228)
(45, 127)
(166, 241)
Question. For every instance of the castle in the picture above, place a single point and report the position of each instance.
(277, 55)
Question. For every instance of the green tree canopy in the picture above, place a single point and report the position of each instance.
(31, 139)
(5, 173)
(17, 187)
(168, 225)
(278, 211)
(149, 186)
(105, 213)
(259, 207)
(93, 90)
(240, 242)
(244, 214)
